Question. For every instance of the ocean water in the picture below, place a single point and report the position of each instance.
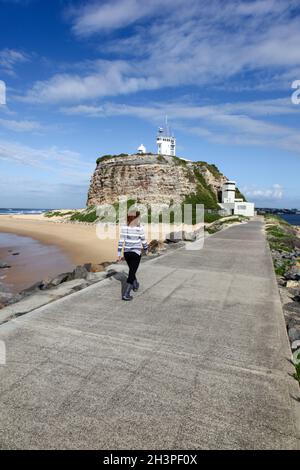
(5, 211)
(293, 219)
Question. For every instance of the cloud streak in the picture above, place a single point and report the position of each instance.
(20, 126)
(274, 193)
(178, 43)
(240, 123)
(63, 161)
(9, 59)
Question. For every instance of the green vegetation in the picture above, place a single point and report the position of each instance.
(179, 161)
(276, 231)
(281, 269)
(161, 159)
(239, 195)
(281, 235)
(212, 168)
(276, 219)
(204, 193)
(57, 213)
(109, 157)
(209, 218)
(282, 238)
(88, 215)
(297, 367)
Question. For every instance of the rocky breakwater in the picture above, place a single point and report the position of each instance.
(284, 241)
(5, 295)
(154, 179)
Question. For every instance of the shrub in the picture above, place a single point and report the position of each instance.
(85, 216)
(209, 218)
(179, 161)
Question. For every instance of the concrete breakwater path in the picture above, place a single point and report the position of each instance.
(200, 359)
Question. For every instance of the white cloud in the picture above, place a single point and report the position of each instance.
(9, 58)
(274, 193)
(184, 42)
(20, 126)
(64, 161)
(109, 15)
(111, 79)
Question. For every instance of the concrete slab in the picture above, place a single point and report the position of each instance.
(199, 360)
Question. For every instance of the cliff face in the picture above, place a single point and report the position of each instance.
(154, 179)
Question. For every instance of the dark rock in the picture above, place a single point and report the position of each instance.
(293, 274)
(15, 254)
(294, 334)
(4, 265)
(292, 307)
(80, 272)
(63, 277)
(88, 267)
(281, 282)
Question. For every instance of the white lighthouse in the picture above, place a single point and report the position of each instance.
(232, 205)
(166, 143)
(228, 192)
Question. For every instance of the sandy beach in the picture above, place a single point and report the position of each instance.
(79, 241)
(47, 248)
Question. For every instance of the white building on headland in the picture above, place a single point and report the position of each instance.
(166, 143)
(141, 149)
(233, 206)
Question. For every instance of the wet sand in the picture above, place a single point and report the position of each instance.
(47, 248)
(30, 261)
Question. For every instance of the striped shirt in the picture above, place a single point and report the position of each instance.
(133, 239)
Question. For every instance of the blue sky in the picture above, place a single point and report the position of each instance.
(87, 78)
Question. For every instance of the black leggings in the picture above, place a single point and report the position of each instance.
(133, 261)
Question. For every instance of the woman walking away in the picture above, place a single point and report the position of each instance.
(132, 237)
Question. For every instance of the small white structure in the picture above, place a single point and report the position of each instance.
(166, 143)
(228, 192)
(233, 206)
(141, 149)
